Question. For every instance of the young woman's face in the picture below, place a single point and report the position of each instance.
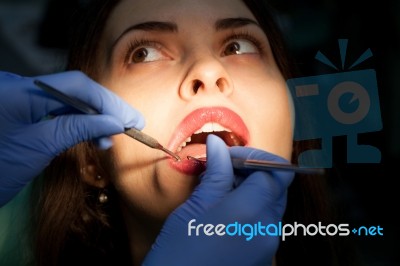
(191, 68)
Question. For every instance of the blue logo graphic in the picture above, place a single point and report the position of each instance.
(339, 104)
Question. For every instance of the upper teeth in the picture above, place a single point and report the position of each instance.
(208, 127)
(211, 127)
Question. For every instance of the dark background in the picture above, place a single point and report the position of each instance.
(33, 36)
(366, 192)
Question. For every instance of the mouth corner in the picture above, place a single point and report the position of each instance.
(188, 166)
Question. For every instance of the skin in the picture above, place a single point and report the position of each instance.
(248, 83)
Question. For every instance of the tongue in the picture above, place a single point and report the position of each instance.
(195, 150)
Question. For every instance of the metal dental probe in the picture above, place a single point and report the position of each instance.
(85, 108)
(262, 165)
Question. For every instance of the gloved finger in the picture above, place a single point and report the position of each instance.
(63, 132)
(286, 177)
(76, 84)
(256, 154)
(103, 143)
(218, 176)
(258, 197)
(215, 182)
(6, 75)
(69, 130)
(28, 104)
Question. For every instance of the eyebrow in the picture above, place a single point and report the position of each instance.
(149, 26)
(232, 23)
(161, 26)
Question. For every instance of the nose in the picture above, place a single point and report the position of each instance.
(206, 75)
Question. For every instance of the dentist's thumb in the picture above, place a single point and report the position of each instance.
(218, 178)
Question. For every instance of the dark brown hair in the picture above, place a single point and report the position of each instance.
(72, 227)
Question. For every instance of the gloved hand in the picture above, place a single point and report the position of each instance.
(29, 140)
(259, 199)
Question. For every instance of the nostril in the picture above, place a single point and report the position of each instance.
(196, 85)
(219, 83)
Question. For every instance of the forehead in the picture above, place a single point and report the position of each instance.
(186, 13)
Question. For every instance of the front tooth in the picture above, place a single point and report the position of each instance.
(218, 127)
(208, 127)
(211, 127)
(189, 139)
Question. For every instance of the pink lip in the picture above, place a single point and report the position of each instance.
(193, 122)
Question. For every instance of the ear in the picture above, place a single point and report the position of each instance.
(92, 176)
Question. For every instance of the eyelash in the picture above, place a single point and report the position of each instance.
(136, 43)
(246, 36)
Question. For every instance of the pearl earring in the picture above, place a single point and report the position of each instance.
(103, 198)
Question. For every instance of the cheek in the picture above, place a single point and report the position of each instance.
(272, 127)
(145, 92)
(131, 161)
(267, 111)
(144, 181)
(133, 174)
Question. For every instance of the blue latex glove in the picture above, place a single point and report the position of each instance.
(260, 197)
(29, 140)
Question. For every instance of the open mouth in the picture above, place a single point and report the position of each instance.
(200, 136)
(191, 134)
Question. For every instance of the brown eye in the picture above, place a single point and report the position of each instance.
(232, 48)
(139, 55)
(240, 46)
(145, 53)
